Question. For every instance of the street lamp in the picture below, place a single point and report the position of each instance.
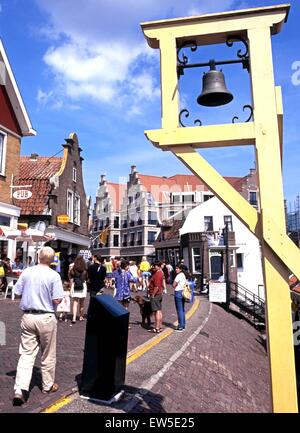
(227, 279)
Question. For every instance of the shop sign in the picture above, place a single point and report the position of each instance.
(63, 219)
(22, 194)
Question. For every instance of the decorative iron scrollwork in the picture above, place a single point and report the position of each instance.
(184, 61)
(243, 56)
(249, 118)
(186, 115)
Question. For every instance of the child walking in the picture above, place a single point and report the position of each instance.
(65, 305)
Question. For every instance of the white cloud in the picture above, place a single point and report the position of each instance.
(98, 50)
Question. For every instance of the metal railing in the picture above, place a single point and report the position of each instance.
(248, 301)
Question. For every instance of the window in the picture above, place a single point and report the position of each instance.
(4, 220)
(2, 153)
(95, 225)
(188, 198)
(176, 198)
(116, 240)
(131, 239)
(130, 200)
(150, 198)
(74, 174)
(171, 213)
(151, 238)
(139, 238)
(125, 240)
(240, 261)
(116, 222)
(208, 224)
(196, 260)
(253, 198)
(77, 209)
(228, 221)
(152, 217)
(70, 204)
(207, 197)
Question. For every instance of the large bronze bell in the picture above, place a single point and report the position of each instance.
(214, 90)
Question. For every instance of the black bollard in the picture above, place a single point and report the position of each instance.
(105, 351)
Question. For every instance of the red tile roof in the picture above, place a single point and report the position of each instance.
(36, 172)
(173, 231)
(161, 186)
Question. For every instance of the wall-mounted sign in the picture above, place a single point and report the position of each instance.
(217, 292)
(22, 194)
(63, 219)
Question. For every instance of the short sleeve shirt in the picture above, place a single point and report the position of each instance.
(180, 280)
(39, 285)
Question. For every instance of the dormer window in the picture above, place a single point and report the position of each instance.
(74, 174)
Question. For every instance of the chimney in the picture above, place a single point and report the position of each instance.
(34, 156)
(133, 168)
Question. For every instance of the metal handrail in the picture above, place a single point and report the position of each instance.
(252, 302)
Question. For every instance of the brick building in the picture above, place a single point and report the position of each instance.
(14, 125)
(57, 190)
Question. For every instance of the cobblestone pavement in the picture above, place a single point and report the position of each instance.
(70, 346)
(218, 365)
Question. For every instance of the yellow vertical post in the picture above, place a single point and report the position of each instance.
(279, 321)
(169, 83)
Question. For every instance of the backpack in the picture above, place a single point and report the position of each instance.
(2, 271)
(78, 281)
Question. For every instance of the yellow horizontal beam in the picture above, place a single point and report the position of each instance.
(206, 29)
(235, 134)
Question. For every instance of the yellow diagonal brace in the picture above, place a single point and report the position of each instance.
(280, 243)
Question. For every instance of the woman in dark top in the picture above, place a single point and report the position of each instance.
(78, 277)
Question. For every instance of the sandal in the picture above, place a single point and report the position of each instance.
(156, 331)
(81, 318)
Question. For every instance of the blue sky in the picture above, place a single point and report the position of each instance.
(83, 66)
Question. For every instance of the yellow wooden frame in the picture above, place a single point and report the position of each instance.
(280, 256)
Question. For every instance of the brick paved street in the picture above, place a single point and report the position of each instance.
(217, 365)
(223, 370)
(70, 346)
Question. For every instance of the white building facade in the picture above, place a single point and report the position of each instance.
(245, 252)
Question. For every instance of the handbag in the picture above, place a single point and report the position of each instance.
(186, 293)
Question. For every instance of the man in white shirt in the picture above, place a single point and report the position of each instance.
(41, 290)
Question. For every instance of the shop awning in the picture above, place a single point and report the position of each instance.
(27, 235)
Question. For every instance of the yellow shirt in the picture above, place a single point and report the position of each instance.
(109, 267)
(144, 266)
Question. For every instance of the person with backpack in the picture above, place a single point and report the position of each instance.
(78, 278)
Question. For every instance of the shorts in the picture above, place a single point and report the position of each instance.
(156, 303)
(109, 275)
(146, 274)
